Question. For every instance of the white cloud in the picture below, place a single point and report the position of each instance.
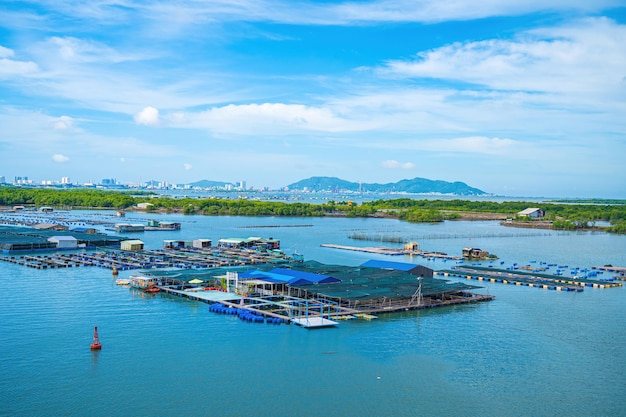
(60, 158)
(85, 51)
(269, 118)
(187, 167)
(471, 145)
(395, 164)
(11, 67)
(586, 56)
(63, 123)
(5, 52)
(149, 116)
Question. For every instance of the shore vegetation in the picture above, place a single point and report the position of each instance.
(609, 216)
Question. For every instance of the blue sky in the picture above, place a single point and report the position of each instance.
(516, 97)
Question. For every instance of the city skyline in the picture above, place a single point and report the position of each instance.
(517, 98)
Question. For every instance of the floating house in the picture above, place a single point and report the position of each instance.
(128, 227)
(15, 242)
(176, 244)
(50, 226)
(64, 242)
(132, 245)
(88, 230)
(476, 253)
(249, 243)
(18, 239)
(411, 247)
(157, 225)
(201, 243)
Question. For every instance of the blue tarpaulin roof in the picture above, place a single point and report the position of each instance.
(289, 276)
(396, 266)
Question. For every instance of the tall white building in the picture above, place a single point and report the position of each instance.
(65, 180)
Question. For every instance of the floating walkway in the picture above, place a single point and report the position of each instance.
(152, 259)
(621, 270)
(40, 262)
(274, 309)
(386, 250)
(527, 279)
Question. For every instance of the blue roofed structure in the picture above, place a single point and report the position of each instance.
(303, 277)
(288, 276)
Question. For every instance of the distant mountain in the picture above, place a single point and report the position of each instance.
(210, 184)
(414, 186)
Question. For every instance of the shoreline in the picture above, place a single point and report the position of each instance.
(462, 216)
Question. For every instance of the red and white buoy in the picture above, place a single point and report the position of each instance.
(95, 345)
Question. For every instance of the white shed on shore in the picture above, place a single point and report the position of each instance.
(532, 212)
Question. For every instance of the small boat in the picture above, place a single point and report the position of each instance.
(152, 289)
(122, 281)
(147, 284)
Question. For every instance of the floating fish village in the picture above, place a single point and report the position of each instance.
(257, 281)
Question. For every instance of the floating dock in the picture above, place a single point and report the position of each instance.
(620, 270)
(386, 250)
(526, 278)
(305, 313)
(152, 259)
(40, 262)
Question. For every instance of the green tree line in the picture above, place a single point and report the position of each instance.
(563, 215)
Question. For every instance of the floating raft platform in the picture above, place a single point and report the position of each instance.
(380, 250)
(270, 309)
(313, 322)
(122, 260)
(39, 261)
(527, 279)
(620, 270)
(386, 250)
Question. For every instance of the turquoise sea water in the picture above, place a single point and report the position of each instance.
(529, 352)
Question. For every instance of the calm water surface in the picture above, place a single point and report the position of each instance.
(529, 352)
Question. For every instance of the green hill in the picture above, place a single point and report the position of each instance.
(210, 184)
(414, 186)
